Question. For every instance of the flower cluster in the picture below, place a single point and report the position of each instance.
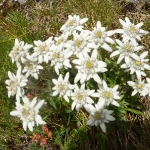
(128, 49)
(75, 57)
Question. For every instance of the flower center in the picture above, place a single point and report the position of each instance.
(98, 34)
(71, 23)
(31, 67)
(132, 29)
(25, 112)
(61, 87)
(89, 64)
(97, 116)
(139, 86)
(127, 48)
(78, 43)
(106, 94)
(79, 96)
(59, 41)
(138, 63)
(14, 84)
(55, 55)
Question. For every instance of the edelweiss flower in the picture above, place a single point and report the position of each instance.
(101, 37)
(62, 87)
(108, 95)
(147, 85)
(62, 39)
(131, 31)
(19, 52)
(42, 50)
(88, 67)
(80, 96)
(81, 43)
(139, 87)
(99, 115)
(138, 64)
(16, 84)
(32, 68)
(126, 49)
(73, 23)
(28, 113)
(59, 57)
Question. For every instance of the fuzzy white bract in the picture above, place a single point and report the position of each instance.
(125, 50)
(62, 87)
(99, 115)
(16, 83)
(108, 95)
(101, 37)
(74, 23)
(88, 67)
(131, 31)
(19, 52)
(81, 96)
(138, 64)
(29, 113)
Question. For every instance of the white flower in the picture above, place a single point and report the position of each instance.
(62, 39)
(73, 23)
(60, 58)
(62, 87)
(88, 67)
(99, 115)
(42, 50)
(131, 31)
(138, 64)
(28, 113)
(108, 95)
(147, 85)
(101, 37)
(20, 1)
(139, 87)
(32, 68)
(16, 84)
(80, 97)
(19, 52)
(126, 49)
(81, 43)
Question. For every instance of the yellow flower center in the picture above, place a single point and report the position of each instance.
(127, 47)
(139, 86)
(132, 29)
(55, 55)
(61, 87)
(71, 23)
(138, 63)
(42, 47)
(59, 41)
(30, 67)
(89, 64)
(26, 112)
(80, 96)
(78, 43)
(106, 94)
(98, 34)
(97, 116)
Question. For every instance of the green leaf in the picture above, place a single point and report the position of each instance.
(137, 112)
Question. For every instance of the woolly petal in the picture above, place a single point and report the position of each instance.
(15, 113)
(103, 127)
(78, 77)
(39, 105)
(25, 124)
